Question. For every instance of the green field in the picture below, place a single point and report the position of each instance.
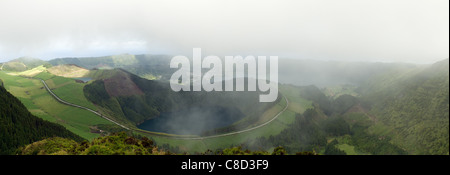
(68, 90)
(297, 104)
(40, 103)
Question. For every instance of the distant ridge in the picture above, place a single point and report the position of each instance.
(23, 64)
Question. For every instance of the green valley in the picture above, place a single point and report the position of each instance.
(397, 109)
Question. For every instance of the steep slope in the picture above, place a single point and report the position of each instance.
(414, 104)
(68, 70)
(19, 127)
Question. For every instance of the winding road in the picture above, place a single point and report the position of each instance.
(175, 137)
(82, 107)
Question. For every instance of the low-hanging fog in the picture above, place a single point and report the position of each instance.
(352, 30)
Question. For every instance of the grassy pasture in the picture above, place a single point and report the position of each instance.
(40, 103)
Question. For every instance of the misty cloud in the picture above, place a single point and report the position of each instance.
(193, 121)
(394, 30)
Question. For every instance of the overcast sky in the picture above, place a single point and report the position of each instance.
(353, 30)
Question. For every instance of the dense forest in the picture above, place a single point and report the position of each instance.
(19, 127)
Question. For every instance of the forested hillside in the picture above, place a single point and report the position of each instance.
(23, 63)
(413, 107)
(332, 127)
(19, 127)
